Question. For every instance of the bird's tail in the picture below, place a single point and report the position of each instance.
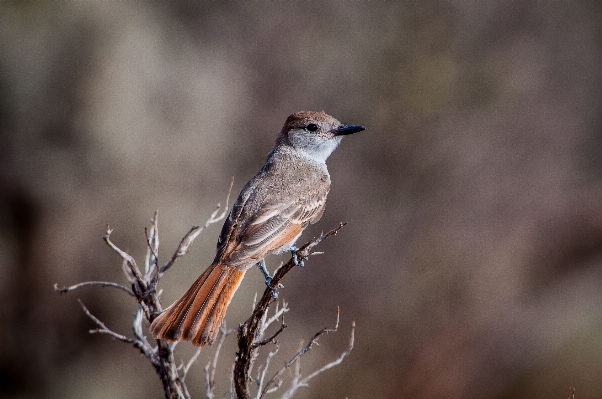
(198, 314)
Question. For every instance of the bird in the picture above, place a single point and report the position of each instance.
(272, 210)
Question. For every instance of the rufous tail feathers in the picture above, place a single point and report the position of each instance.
(198, 314)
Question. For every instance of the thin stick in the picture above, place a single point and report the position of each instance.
(298, 383)
(212, 365)
(301, 352)
(64, 290)
(102, 327)
(261, 375)
(189, 364)
(152, 245)
(334, 362)
(124, 255)
(272, 339)
(277, 313)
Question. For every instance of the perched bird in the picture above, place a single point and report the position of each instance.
(271, 212)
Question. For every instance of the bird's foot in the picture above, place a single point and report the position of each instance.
(298, 261)
(268, 283)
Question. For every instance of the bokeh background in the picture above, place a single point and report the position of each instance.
(472, 258)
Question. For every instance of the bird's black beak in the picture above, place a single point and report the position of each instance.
(347, 129)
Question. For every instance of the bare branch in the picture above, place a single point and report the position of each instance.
(130, 267)
(223, 215)
(272, 339)
(304, 382)
(102, 328)
(190, 362)
(232, 388)
(254, 301)
(124, 255)
(64, 290)
(261, 375)
(305, 251)
(152, 246)
(277, 313)
(142, 343)
(212, 365)
(301, 352)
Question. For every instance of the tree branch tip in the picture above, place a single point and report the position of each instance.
(336, 327)
(214, 214)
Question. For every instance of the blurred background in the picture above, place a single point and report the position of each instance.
(472, 258)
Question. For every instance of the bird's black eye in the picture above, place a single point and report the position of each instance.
(312, 127)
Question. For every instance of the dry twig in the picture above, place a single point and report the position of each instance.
(299, 382)
(212, 365)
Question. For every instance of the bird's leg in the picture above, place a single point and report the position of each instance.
(268, 278)
(264, 271)
(296, 259)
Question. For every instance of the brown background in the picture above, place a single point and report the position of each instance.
(471, 262)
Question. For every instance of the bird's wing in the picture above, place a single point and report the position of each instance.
(278, 224)
(273, 224)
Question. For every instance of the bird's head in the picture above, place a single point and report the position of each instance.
(314, 133)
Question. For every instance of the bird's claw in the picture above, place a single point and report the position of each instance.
(274, 290)
(298, 261)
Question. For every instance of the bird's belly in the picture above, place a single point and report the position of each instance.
(289, 246)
